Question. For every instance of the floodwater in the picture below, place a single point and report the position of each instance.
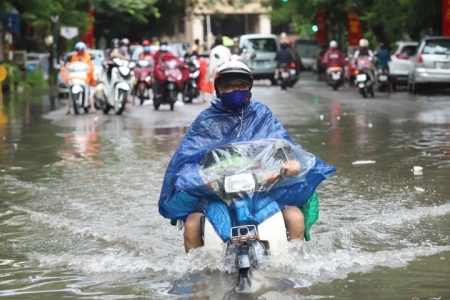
(79, 217)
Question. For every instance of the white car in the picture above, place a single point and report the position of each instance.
(401, 62)
(431, 64)
(97, 56)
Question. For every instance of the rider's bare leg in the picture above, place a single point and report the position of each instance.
(69, 101)
(91, 102)
(295, 223)
(192, 232)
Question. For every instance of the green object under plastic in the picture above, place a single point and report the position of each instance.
(311, 213)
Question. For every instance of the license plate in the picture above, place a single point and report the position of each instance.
(293, 72)
(285, 74)
(239, 183)
(443, 65)
(361, 77)
(382, 78)
(336, 75)
(261, 63)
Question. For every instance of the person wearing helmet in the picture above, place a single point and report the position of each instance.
(119, 50)
(146, 53)
(364, 57)
(283, 57)
(333, 57)
(232, 117)
(82, 55)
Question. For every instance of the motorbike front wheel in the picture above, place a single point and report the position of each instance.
(187, 94)
(75, 100)
(122, 101)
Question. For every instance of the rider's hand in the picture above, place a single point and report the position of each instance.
(291, 167)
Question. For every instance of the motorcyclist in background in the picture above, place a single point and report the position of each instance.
(333, 57)
(125, 46)
(117, 50)
(161, 56)
(361, 56)
(283, 56)
(383, 57)
(82, 55)
(146, 53)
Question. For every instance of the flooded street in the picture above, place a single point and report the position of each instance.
(79, 216)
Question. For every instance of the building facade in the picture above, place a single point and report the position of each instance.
(207, 19)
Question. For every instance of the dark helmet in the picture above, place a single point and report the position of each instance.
(114, 43)
(218, 40)
(284, 46)
(232, 70)
(163, 42)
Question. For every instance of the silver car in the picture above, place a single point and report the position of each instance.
(431, 63)
(97, 56)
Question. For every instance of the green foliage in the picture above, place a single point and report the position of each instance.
(381, 20)
(36, 80)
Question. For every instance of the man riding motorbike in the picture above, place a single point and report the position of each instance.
(161, 56)
(282, 57)
(363, 58)
(233, 117)
(383, 57)
(146, 54)
(82, 55)
(333, 57)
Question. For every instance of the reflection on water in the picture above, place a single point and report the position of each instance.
(79, 216)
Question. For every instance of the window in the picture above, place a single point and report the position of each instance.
(437, 47)
(261, 45)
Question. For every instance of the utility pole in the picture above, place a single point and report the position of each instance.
(54, 18)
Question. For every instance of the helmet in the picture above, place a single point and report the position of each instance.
(232, 70)
(146, 43)
(289, 43)
(363, 43)
(124, 42)
(284, 45)
(333, 44)
(114, 43)
(80, 46)
(163, 42)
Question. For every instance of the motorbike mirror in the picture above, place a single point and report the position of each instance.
(216, 55)
(132, 64)
(253, 56)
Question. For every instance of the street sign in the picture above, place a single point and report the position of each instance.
(68, 32)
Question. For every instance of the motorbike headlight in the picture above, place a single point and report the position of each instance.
(239, 183)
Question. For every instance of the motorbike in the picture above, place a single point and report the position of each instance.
(190, 88)
(77, 77)
(383, 79)
(363, 81)
(242, 175)
(143, 73)
(284, 76)
(335, 78)
(116, 85)
(171, 77)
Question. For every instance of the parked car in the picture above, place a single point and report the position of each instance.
(401, 62)
(259, 51)
(97, 56)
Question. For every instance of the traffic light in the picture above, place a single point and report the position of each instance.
(315, 28)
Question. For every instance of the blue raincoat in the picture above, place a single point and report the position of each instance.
(183, 188)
